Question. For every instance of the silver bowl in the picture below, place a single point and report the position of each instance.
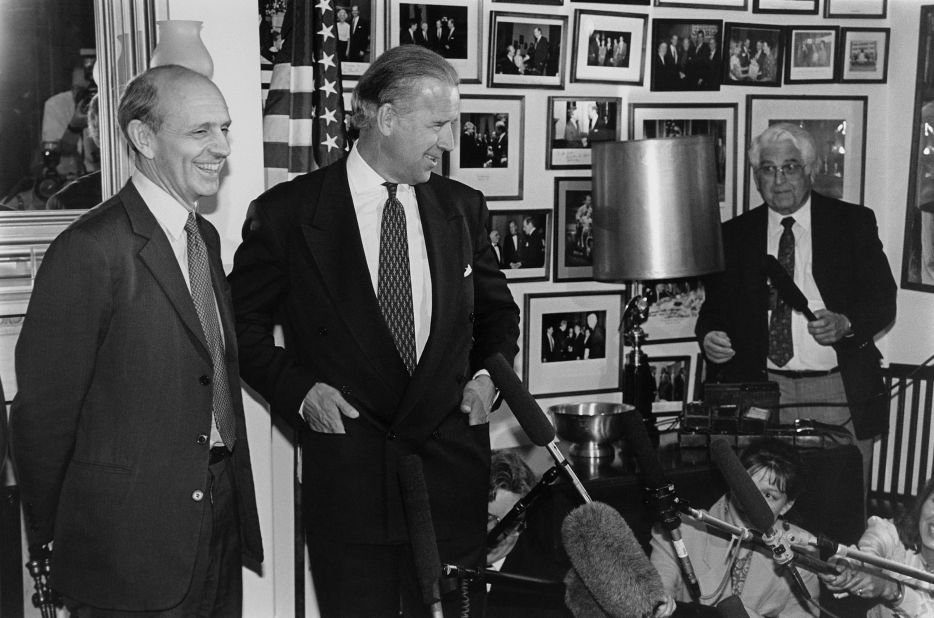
(591, 427)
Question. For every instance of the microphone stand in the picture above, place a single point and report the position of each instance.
(637, 377)
(496, 577)
(665, 501)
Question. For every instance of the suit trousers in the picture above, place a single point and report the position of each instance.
(217, 578)
(380, 581)
(810, 393)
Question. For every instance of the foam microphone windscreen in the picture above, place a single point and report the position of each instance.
(421, 528)
(526, 410)
(609, 568)
(741, 485)
(638, 439)
(787, 290)
(732, 607)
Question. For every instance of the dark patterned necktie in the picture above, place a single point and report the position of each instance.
(781, 347)
(202, 293)
(394, 282)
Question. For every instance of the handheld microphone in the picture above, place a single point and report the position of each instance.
(787, 289)
(530, 416)
(421, 531)
(662, 493)
(755, 506)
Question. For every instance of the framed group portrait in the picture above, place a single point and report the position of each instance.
(838, 125)
(864, 55)
(524, 241)
(811, 54)
(450, 27)
(573, 254)
(489, 147)
(753, 54)
(527, 50)
(575, 124)
(719, 120)
(672, 377)
(356, 31)
(571, 343)
(608, 47)
(686, 54)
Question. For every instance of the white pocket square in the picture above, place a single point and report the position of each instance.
(468, 270)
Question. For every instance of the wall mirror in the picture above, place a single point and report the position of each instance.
(54, 56)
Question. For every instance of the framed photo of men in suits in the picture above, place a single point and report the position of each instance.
(838, 124)
(608, 47)
(574, 124)
(686, 54)
(571, 343)
(450, 27)
(489, 148)
(524, 238)
(527, 49)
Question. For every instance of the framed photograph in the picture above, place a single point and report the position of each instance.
(571, 343)
(488, 152)
(573, 229)
(753, 55)
(918, 246)
(869, 9)
(608, 47)
(730, 5)
(672, 317)
(576, 123)
(527, 50)
(618, 2)
(811, 55)
(450, 27)
(548, 2)
(799, 7)
(864, 55)
(524, 238)
(650, 120)
(700, 377)
(686, 54)
(672, 376)
(356, 30)
(838, 124)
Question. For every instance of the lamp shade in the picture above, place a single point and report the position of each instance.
(656, 209)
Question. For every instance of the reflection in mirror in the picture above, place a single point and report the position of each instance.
(48, 82)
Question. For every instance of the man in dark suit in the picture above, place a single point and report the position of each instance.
(408, 35)
(497, 246)
(833, 252)
(513, 244)
(532, 250)
(127, 347)
(381, 274)
(454, 43)
(541, 52)
(359, 48)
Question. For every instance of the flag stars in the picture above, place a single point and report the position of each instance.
(324, 6)
(328, 87)
(331, 142)
(326, 32)
(329, 116)
(327, 61)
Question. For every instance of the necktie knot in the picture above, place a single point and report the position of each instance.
(391, 188)
(191, 224)
(788, 222)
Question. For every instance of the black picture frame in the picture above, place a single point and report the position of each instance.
(791, 7)
(539, 70)
(594, 60)
(463, 52)
(855, 9)
(741, 50)
(864, 55)
(573, 229)
(515, 271)
(721, 5)
(697, 69)
(811, 54)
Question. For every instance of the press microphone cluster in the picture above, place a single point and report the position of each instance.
(530, 416)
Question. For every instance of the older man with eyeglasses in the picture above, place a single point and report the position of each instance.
(831, 250)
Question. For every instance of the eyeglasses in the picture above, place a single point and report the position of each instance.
(788, 170)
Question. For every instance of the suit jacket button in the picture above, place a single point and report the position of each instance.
(391, 435)
(346, 390)
(202, 439)
(204, 380)
(197, 495)
(471, 316)
(322, 331)
(436, 434)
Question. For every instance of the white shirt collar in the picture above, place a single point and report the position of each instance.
(802, 217)
(363, 179)
(169, 212)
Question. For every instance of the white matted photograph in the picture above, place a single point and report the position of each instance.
(571, 343)
(488, 152)
(356, 31)
(575, 124)
(450, 27)
(811, 54)
(527, 50)
(608, 47)
(864, 55)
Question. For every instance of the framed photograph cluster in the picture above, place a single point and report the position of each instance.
(574, 124)
(838, 125)
(571, 343)
(489, 149)
(450, 27)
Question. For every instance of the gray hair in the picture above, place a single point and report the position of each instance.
(395, 77)
(140, 100)
(780, 132)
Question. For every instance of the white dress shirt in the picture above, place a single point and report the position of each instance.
(369, 198)
(809, 355)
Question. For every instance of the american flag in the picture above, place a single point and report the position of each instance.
(303, 122)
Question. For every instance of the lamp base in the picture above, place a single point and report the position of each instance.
(639, 389)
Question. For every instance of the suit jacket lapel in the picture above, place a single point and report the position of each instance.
(158, 257)
(333, 237)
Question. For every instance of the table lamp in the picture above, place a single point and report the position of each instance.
(656, 217)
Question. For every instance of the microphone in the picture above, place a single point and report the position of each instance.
(610, 575)
(662, 493)
(750, 498)
(421, 531)
(787, 289)
(530, 416)
(516, 515)
(492, 576)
